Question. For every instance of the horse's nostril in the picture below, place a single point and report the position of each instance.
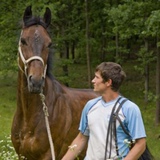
(43, 79)
(30, 78)
(35, 84)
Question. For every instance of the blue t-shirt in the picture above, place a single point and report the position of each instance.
(94, 123)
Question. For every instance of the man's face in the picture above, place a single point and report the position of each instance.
(99, 85)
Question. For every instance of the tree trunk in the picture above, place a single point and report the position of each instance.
(103, 46)
(157, 120)
(146, 76)
(87, 45)
(64, 54)
(73, 50)
(117, 48)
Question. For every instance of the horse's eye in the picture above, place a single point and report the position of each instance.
(23, 41)
(50, 45)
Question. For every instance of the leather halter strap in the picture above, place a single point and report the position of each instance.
(110, 130)
(116, 117)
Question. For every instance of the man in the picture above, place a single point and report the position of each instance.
(95, 120)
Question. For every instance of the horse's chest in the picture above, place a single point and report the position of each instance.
(31, 143)
(27, 140)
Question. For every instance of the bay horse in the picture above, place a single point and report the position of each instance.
(28, 132)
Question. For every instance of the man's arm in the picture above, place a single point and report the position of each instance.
(76, 147)
(137, 150)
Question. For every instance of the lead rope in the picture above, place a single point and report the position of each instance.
(45, 110)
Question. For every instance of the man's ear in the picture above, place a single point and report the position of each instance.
(109, 82)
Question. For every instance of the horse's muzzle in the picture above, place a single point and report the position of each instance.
(35, 85)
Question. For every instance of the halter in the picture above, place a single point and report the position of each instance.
(25, 62)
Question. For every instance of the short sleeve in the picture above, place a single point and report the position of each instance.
(133, 120)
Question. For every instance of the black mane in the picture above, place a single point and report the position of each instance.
(50, 65)
(35, 21)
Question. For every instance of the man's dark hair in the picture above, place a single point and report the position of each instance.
(113, 71)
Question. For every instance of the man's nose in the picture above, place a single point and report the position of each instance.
(93, 80)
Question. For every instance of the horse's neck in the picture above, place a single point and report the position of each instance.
(31, 103)
(28, 103)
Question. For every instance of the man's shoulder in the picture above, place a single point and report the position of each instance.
(130, 108)
(93, 101)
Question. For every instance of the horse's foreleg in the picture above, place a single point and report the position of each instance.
(46, 156)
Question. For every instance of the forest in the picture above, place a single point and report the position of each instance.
(86, 33)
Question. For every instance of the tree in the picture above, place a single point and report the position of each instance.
(87, 44)
(129, 22)
(153, 25)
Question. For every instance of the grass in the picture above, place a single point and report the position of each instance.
(7, 108)
(132, 88)
(8, 102)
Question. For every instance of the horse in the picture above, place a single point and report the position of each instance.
(28, 132)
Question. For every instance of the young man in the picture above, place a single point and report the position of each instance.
(94, 125)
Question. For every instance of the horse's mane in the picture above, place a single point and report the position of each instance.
(50, 64)
(35, 21)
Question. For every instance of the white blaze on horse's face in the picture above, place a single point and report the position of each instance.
(34, 49)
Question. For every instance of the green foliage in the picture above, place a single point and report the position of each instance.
(144, 58)
(151, 96)
(128, 18)
(153, 23)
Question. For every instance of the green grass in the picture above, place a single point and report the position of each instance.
(8, 103)
(7, 108)
(132, 88)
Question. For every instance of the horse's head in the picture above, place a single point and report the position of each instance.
(34, 46)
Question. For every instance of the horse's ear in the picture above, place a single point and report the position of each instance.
(47, 17)
(28, 13)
